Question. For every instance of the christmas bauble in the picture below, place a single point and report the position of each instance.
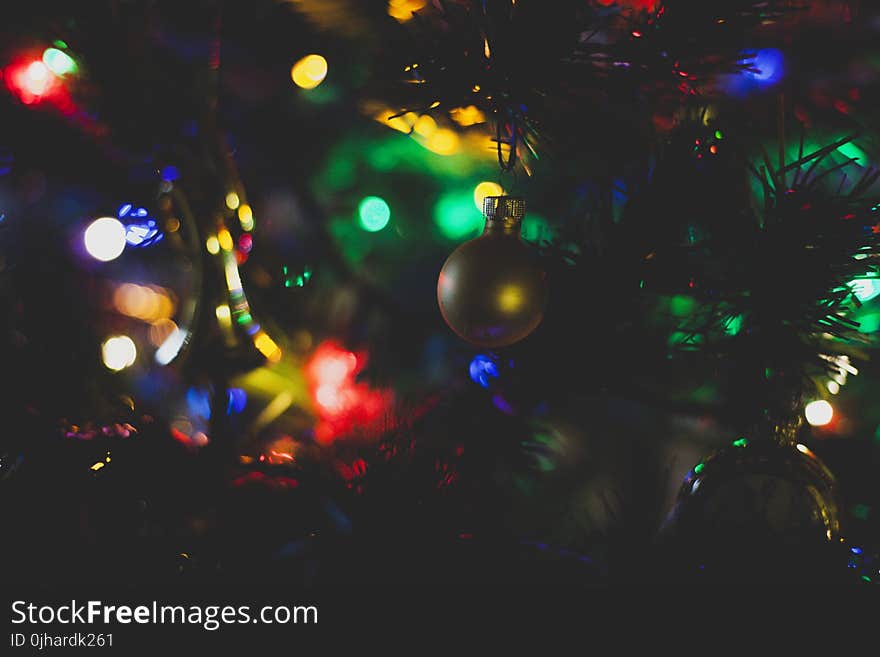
(492, 290)
(752, 502)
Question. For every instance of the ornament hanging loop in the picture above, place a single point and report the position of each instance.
(508, 162)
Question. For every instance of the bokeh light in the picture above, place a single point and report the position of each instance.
(484, 189)
(246, 217)
(160, 330)
(309, 72)
(118, 352)
(105, 239)
(37, 78)
(224, 239)
(232, 201)
(266, 346)
(769, 65)
(443, 142)
(467, 116)
(141, 230)
(769, 69)
(212, 244)
(172, 345)
(819, 412)
(332, 366)
(59, 62)
(865, 289)
(237, 400)
(481, 369)
(224, 315)
(199, 402)
(850, 150)
(456, 216)
(425, 125)
(402, 10)
(148, 303)
(374, 213)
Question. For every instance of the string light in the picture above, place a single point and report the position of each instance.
(105, 239)
(443, 141)
(456, 217)
(484, 189)
(266, 346)
(147, 303)
(172, 345)
(374, 213)
(309, 71)
(118, 352)
(865, 289)
(232, 201)
(60, 63)
(213, 245)
(224, 239)
(481, 369)
(819, 412)
(224, 315)
(402, 10)
(467, 116)
(37, 78)
(246, 217)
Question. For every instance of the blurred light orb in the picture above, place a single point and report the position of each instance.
(309, 72)
(484, 189)
(769, 63)
(160, 330)
(118, 352)
(819, 412)
(481, 368)
(212, 244)
(224, 315)
(236, 400)
(105, 239)
(232, 201)
(456, 217)
(224, 239)
(37, 78)
(865, 289)
(172, 345)
(59, 62)
(328, 397)
(425, 125)
(403, 10)
(246, 217)
(443, 141)
(374, 213)
(333, 368)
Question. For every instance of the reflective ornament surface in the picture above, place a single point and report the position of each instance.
(492, 290)
(756, 505)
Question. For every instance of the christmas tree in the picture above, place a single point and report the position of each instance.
(379, 304)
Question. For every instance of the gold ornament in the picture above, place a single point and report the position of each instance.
(492, 290)
(766, 492)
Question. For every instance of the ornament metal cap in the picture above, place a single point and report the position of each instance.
(505, 212)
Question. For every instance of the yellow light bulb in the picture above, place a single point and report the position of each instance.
(309, 72)
(224, 239)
